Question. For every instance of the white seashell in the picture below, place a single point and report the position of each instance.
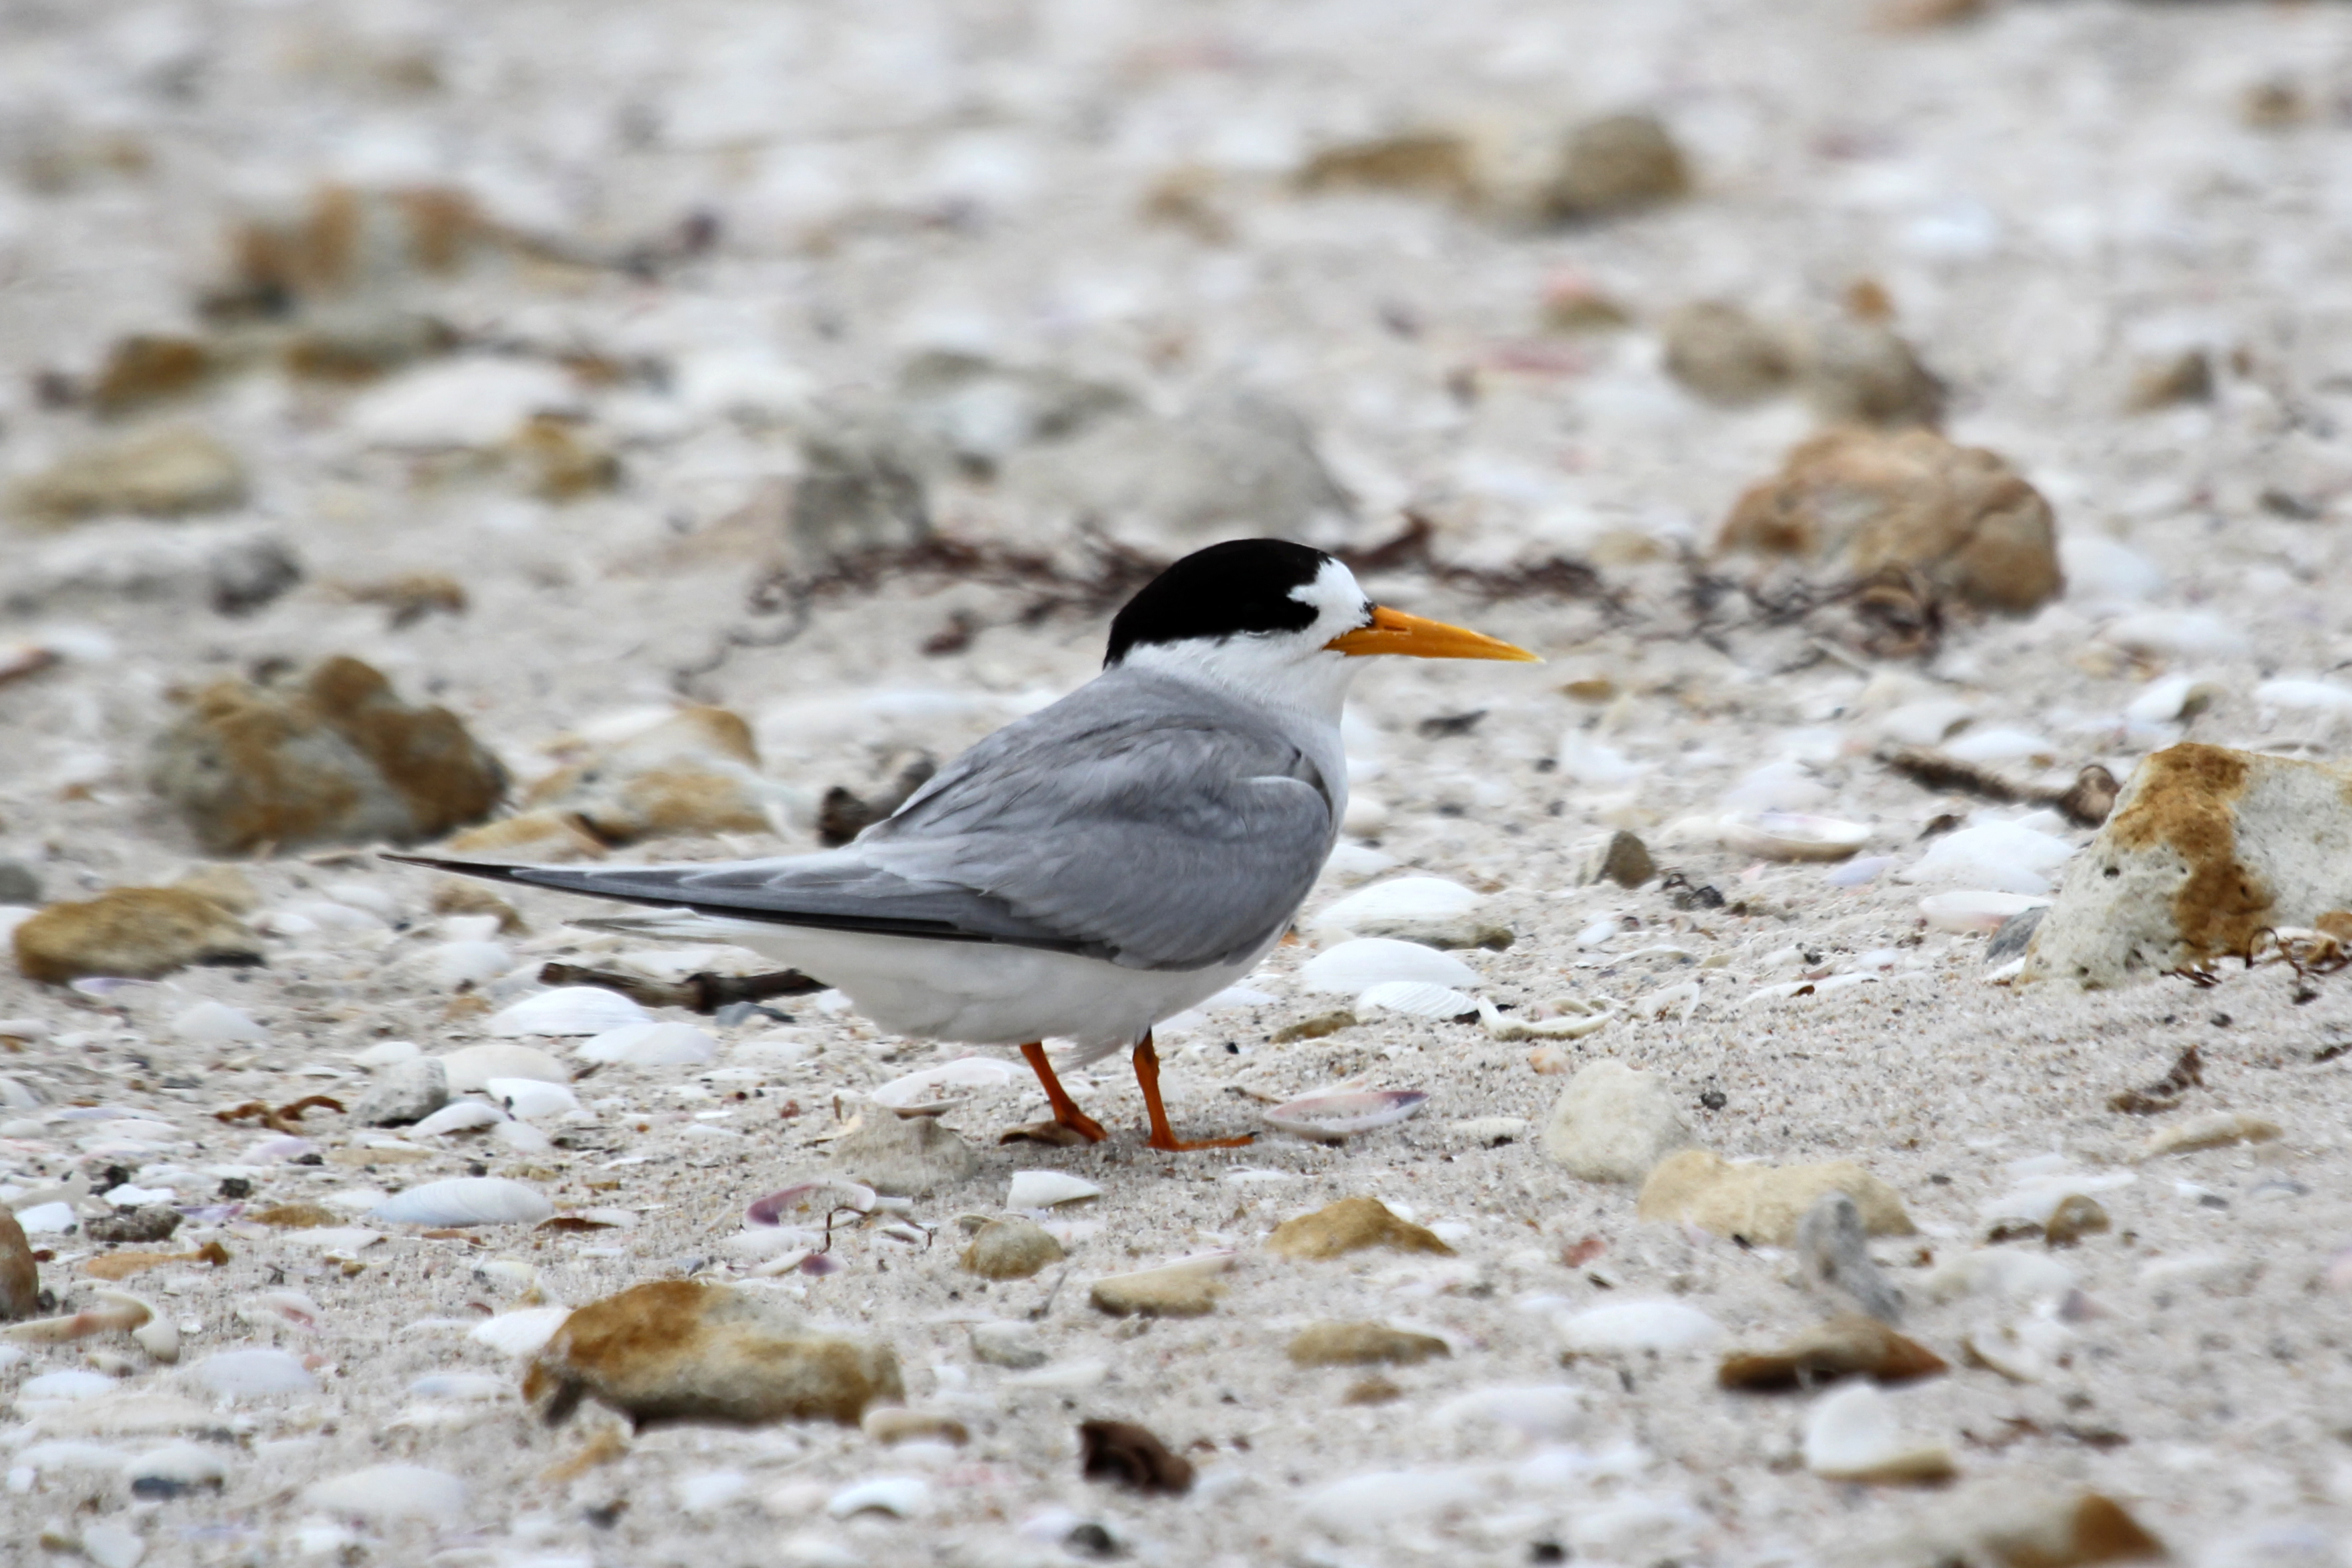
(1557, 1411)
(465, 1200)
(46, 1218)
(916, 1093)
(1598, 935)
(1565, 1018)
(1792, 836)
(454, 964)
(2179, 633)
(183, 1464)
(530, 1099)
(384, 1494)
(254, 1374)
(70, 1385)
(2005, 857)
(651, 1044)
(2035, 1200)
(1852, 1434)
(1045, 1189)
(1973, 913)
(467, 1386)
(711, 1491)
(215, 1024)
(2324, 697)
(476, 1066)
(387, 1053)
(1930, 721)
(1354, 862)
(1637, 1325)
(567, 1010)
(1999, 1274)
(159, 1337)
(2026, 1351)
(1787, 785)
(2173, 698)
(460, 1116)
(111, 1543)
(812, 1199)
(469, 927)
(1859, 872)
(1366, 961)
(2101, 570)
(903, 1496)
(1406, 898)
(1416, 999)
(521, 1137)
(271, 1308)
(1584, 760)
(1334, 1118)
(2002, 745)
(524, 1331)
(1377, 1501)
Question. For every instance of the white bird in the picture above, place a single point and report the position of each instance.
(1104, 863)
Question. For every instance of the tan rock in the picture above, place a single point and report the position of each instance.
(1348, 1226)
(896, 1424)
(1846, 1345)
(1612, 1123)
(1723, 354)
(142, 369)
(297, 1216)
(1431, 163)
(1863, 372)
(2206, 849)
(676, 1350)
(223, 884)
(1185, 1289)
(695, 772)
(2216, 1130)
(165, 473)
(20, 1276)
(409, 597)
(1859, 500)
(546, 836)
(460, 895)
(1362, 1344)
(336, 757)
(1618, 164)
(2010, 1527)
(1763, 1203)
(1011, 1249)
(137, 933)
(562, 463)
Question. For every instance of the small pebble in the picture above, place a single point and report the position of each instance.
(1835, 1248)
(1612, 1123)
(1011, 1249)
(1348, 1226)
(1362, 1344)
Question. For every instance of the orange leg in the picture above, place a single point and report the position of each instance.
(1147, 1074)
(1066, 1110)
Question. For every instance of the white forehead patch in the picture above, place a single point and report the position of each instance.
(1337, 601)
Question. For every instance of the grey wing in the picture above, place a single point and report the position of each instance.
(1171, 843)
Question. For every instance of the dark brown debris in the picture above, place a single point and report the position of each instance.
(845, 814)
(1125, 1454)
(700, 992)
(2188, 1072)
(1847, 1343)
(281, 1118)
(2085, 802)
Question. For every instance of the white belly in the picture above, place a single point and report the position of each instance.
(976, 993)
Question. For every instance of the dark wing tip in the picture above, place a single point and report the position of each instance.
(494, 871)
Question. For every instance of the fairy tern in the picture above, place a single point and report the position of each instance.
(1098, 865)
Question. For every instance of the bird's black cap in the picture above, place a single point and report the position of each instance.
(1229, 590)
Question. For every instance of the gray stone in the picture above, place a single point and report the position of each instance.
(2015, 932)
(19, 884)
(148, 1222)
(1010, 1343)
(1832, 1245)
(905, 1156)
(1612, 1123)
(403, 1092)
(250, 573)
(979, 413)
(861, 489)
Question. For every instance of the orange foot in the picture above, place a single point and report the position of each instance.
(1067, 1114)
(1163, 1136)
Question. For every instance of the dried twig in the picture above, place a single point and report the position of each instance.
(700, 992)
(2187, 1072)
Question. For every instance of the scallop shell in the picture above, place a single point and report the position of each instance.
(475, 1066)
(254, 1374)
(387, 1493)
(1852, 1435)
(529, 1099)
(2173, 698)
(215, 1024)
(1365, 961)
(1406, 898)
(460, 1116)
(567, 1010)
(465, 1200)
(1416, 999)
(916, 1093)
(1565, 1019)
(1792, 835)
(2305, 696)
(1334, 1118)
(816, 1198)
(1975, 914)
(454, 964)
(651, 1044)
(1045, 1189)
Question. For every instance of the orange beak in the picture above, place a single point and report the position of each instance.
(1394, 631)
